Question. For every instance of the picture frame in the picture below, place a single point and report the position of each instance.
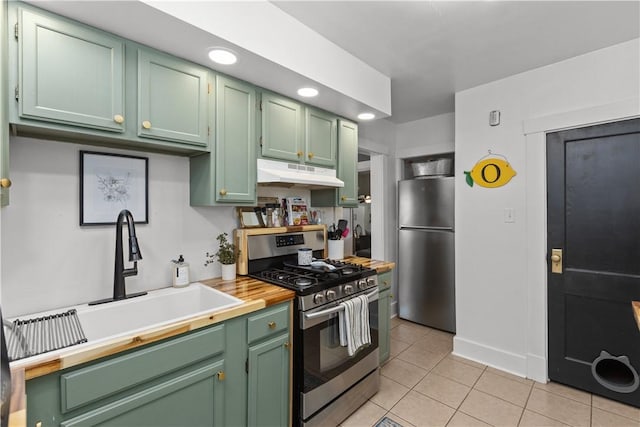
(110, 183)
(250, 217)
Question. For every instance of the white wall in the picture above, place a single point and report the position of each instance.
(49, 261)
(433, 135)
(500, 268)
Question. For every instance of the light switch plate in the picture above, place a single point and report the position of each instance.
(509, 215)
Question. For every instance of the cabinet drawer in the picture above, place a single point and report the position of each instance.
(268, 322)
(384, 280)
(95, 382)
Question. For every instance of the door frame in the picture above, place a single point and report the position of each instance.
(535, 131)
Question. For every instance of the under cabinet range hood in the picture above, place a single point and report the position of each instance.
(290, 174)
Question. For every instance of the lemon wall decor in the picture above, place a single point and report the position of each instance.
(491, 171)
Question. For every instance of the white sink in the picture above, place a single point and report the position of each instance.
(155, 309)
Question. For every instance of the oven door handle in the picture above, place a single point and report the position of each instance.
(371, 296)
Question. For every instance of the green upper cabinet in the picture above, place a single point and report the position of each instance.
(348, 163)
(228, 173)
(69, 73)
(320, 138)
(5, 183)
(281, 128)
(172, 99)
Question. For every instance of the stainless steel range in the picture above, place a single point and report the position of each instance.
(328, 384)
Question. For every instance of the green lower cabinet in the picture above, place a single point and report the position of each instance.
(268, 400)
(233, 373)
(195, 398)
(384, 315)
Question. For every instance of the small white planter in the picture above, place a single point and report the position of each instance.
(228, 271)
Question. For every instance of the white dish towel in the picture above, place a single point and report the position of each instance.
(353, 323)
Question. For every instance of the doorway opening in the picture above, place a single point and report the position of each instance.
(361, 215)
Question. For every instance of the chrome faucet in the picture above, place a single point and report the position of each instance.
(119, 292)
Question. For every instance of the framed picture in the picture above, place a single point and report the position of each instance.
(110, 183)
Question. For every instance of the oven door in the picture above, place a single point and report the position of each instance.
(324, 358)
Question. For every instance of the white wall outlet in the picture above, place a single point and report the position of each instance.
(509, 215)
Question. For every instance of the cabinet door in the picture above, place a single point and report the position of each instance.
(268, 399)
(281, 128)
(69, 73)
(320, 138)
(4, 114)
(172, 99)
(348, 163)
(194, 398)
(384, 315)
(235, 154)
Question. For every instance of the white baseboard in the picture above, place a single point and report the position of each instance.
(537, 368)
(505, 361)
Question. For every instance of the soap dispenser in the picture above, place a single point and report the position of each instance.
(180, 272)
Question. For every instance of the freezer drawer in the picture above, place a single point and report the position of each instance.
(426, 278)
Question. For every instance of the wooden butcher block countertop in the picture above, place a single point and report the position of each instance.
(256, 295)
(379, 266)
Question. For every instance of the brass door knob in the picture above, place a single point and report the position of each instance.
(299, 153)
(343, 198)
(220, 375)
(272, 325)
(5, 183)
(310, 155)
(118, 119)
(555, 258)
(223, 192)
(385, 282)
(146, 124)
(287, 345)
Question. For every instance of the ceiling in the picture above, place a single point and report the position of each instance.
(432, 49)
(402, 60)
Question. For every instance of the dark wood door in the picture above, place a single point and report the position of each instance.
(593, 216)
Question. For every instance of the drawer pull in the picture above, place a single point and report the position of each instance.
(343, 198)
(223, 192)
(146, 124)
(220, 375)
(5, 183)
(299, 153)
(272, 325)
(39, 424)
(287, 345)
(118, 119)
(385, 282)
(310, 155)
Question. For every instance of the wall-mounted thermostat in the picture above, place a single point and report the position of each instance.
(494, 118)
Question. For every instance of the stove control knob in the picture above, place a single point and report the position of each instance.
(362, 284)
(318, 298)
(371, 282)
(331, 295)
(348, 289)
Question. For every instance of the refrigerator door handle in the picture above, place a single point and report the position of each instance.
(415, 227)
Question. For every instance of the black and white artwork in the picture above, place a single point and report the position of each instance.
(110, 183)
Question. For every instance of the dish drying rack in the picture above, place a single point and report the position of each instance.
(30, 337)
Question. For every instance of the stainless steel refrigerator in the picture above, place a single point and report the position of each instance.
(426, 266)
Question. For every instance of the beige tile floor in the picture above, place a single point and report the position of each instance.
(423, 384)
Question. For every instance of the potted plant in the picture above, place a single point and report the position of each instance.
(227, 256)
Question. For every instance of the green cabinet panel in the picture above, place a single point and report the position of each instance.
(384, 314)
(69, 73)
(85, 385)
(267, 322)
(172, 99)
(347, 170)
(227, 175)
(194, 398)
(4, 95)
(235, 141)
(320, 138)
(281, 127)
(268, 399)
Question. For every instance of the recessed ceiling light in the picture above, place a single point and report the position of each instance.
(222, 56)
(366, 116)
(307, 92)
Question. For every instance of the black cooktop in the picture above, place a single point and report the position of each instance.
(305, 280)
